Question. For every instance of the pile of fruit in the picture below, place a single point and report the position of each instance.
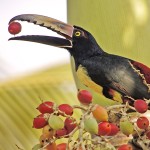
(97, 128)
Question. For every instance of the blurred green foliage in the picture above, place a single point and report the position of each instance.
(19, 99)
(120, 27)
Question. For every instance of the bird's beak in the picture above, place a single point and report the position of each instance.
(55, 25)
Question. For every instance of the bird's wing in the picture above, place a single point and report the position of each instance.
(144, 70)
(121, 74)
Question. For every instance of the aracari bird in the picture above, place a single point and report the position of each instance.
(113, 76)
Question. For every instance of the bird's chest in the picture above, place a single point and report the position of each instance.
(86, 80)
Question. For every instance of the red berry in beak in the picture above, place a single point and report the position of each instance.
(14, 28)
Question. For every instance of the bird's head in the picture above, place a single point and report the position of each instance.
(79, 42)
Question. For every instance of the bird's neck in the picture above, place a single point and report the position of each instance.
(86, 53)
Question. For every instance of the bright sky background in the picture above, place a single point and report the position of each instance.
(17, 57)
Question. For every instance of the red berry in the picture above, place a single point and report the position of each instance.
(140, 106)
(60, 132)
(40, 121)
(62, 146)
(104, 128)
(46, 107)
(148, 134)
(125, 147)
(84, 97)
(114, 129)
(65, 109)
(70, 125)
(142, 123)
(14, 28)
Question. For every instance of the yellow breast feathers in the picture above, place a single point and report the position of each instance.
(86, 80)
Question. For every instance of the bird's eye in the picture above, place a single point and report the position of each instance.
(77, 33)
